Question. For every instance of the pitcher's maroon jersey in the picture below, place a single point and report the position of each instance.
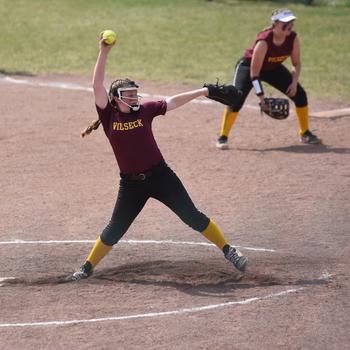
(131, 136)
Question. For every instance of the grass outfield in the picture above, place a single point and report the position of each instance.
(185, 41)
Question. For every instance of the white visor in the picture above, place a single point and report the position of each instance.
(285, 16)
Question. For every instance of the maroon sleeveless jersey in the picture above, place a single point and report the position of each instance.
(131, 136)
(275, 55)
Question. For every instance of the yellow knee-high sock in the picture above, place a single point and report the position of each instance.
(227, 121)
(98, 251)
(214, 235)
(303, 117)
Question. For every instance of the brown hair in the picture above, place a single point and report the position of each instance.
(113, 92)
(277, 11)
(93, 126)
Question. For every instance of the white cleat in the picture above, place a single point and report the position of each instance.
(310, 138)
(238, 260)
(222, 143)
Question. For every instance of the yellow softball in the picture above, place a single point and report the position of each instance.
(109, 37)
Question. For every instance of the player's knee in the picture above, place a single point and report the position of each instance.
(198, 221)
(237, 106)
(111, 234)
(234, 109)
(300, 98)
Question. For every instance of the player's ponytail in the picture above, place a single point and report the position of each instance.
(93, 126)
(267, 28)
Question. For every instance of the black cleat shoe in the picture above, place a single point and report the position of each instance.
(222, 143)
(309, 137)
(238, 260)
(83, 273)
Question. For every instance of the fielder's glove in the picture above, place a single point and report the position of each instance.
(225, 94)
(276, 108)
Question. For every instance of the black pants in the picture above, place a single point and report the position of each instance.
(163, 185)
(280, 78)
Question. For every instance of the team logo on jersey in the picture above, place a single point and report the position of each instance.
(128, 125)
(277, 59)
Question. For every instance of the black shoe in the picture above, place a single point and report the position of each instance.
(222, 143)
(309, 137)
(238, 260)
(84, 272)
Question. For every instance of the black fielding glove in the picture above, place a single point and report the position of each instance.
(276, 108)
(225, 94)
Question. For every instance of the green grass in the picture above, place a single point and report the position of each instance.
(183, 41)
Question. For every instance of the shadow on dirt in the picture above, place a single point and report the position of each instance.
(189, 277)
(300, 149)
(19, 73)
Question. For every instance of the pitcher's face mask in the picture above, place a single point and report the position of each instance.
(129, 96)
(124, 91)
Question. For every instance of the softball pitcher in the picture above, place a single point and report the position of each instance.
(263, 62)
(143, 170)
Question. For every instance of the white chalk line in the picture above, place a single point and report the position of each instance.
(2, 279)
(152, 314)
(69, 86)
(129, 241)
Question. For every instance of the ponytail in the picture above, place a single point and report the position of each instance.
(267, 28)
(93, 126)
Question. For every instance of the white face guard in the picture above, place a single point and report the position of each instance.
(122, 98)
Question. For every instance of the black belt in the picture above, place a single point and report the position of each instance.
(136, 176)
(142, 176)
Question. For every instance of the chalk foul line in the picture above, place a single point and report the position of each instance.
(2, 279)
(182, 311)
(129, 241)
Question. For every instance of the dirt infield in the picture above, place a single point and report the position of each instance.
(286, 204)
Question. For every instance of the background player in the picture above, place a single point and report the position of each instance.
(144, 173)
(263, 62)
